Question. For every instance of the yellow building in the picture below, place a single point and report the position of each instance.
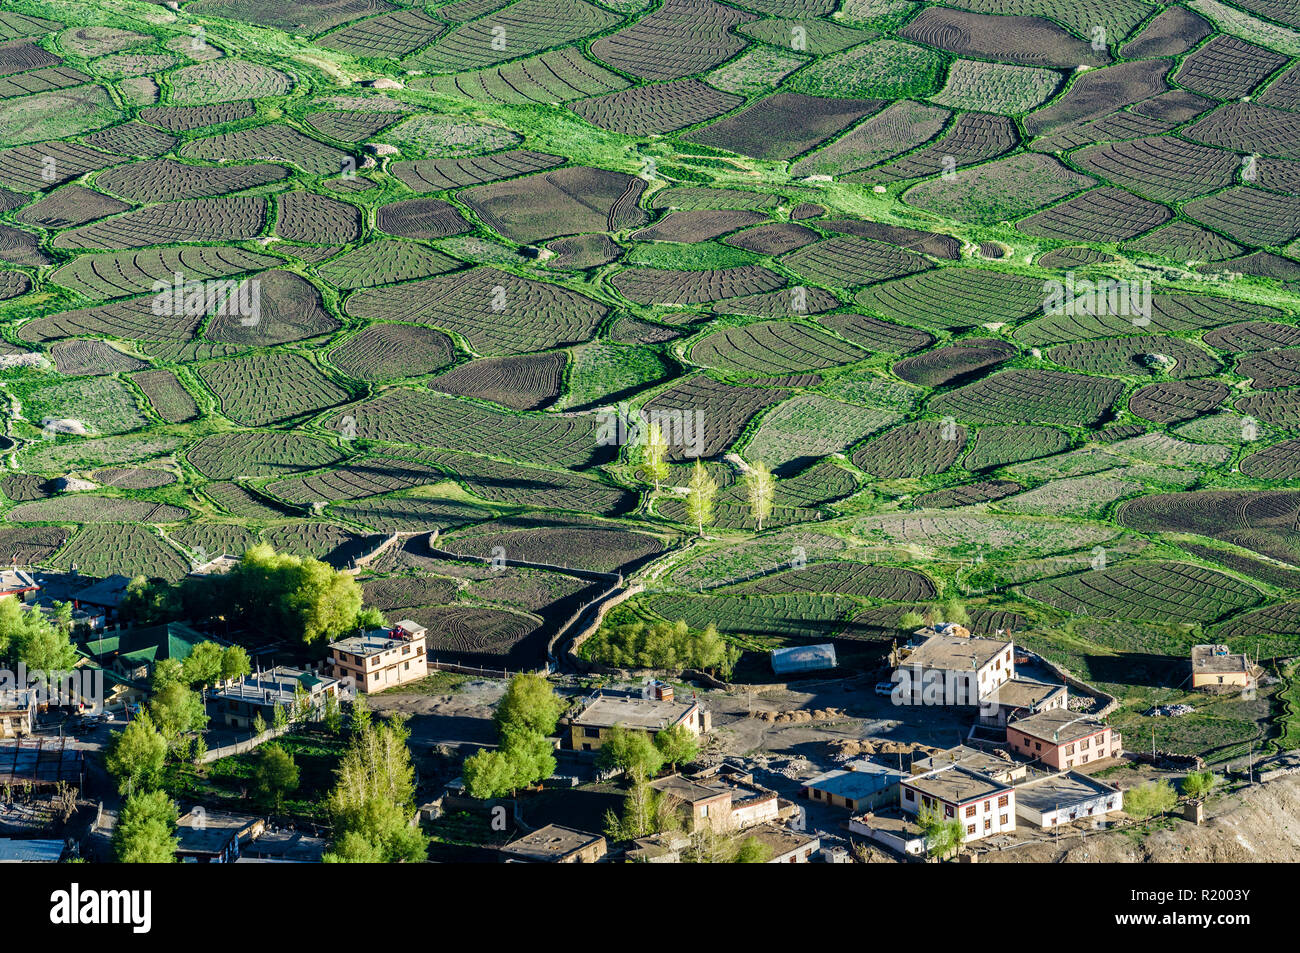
(1213, 666)
(649, 715)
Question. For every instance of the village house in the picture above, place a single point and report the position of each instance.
(1000, 769)
(105, 596)
(985, 807)
(720, 804)
(381, 658)
(214, 837)
(1062, 739)
(953, 670)
(555, 844)
(1018, 697)
(891, 829)
(19, 584)
(17, 712)
(238, 703)
(132, 654)
(859, 786)
(1066, 798)
(587, 730)
(1213, 666)
(785, 845)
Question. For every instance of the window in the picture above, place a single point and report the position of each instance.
(1038, 746)
(591, 732)
(1004, 800)
(970, 828)
(947, 810)
(970, 810)
(1003, 820)
(909, 794)
(1085, 742)
(988, 824)
(1069, 749)
(988, 806)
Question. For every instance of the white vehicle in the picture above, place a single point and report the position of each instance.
(884, 688)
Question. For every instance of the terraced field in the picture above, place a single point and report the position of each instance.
(353, 267)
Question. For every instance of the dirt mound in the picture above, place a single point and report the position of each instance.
(850, 748)
(799, 715)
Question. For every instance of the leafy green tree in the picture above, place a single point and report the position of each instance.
(488, 773)
(279, 717)
(332, 718)
(760, 488)
(1199, 784)
(235, 663)
(630, 751)
(1150, 799)
(360, 715)
(276, 775)
(372, 804)
(149, 602)
(299, 594)
(700, 493)
(28, 637)
(751, 850)
(166, 671)
(177, 711)
(371, 618)
(145, 832)
(654, 455)
(671, 646)
(530, 703)
(942, 837)
(259, 724)
(204, 664)
(954, 611)
(678, 744)
(531, 755)
(136, 755)
(645, 812)
(909, 622)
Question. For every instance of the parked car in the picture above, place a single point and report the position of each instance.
(884, 688)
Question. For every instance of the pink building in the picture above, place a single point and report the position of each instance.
(1062, 739)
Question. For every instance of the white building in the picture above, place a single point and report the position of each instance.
(1066, 799)
(953, 670)
(985, 807)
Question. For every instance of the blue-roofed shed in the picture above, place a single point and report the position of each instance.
(861, 786)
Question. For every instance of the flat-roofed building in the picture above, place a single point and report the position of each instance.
(238, 703)
(719, 803)
(17, 712)
(859, 786)
(1063, 739)
(983, 806)
(17, 851)
(892, 829)
(19, 584)
(1001, 769)
(648, 715)
(953, 670)
(785, 845)
(381, 658)
(1018, 697)
(555, 844)
(1065, 799)
(214, 837)
(1213, 666)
